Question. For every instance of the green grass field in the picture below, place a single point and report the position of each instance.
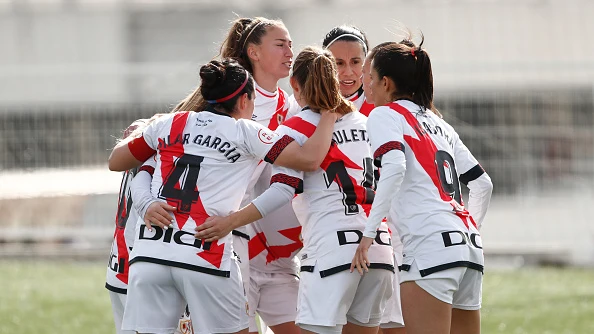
(57, 297)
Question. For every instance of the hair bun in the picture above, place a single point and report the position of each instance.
(212, 74)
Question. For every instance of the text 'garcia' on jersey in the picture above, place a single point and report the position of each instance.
(213, 142)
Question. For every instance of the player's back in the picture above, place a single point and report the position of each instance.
(429, 207)
(337, 195)
(204, 162)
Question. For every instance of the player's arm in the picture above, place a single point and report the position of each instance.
(152, 211)
(284, 184)
(272, 199)
(386, 139)
(136, 148)
(476, 179)
(309, 156)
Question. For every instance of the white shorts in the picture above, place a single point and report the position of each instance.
(392, 317)
(273, 297)
(343, 297)
(118, 304)
(157, 295)
(460, 287)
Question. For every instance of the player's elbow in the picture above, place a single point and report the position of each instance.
(310, 165)
(114, 164)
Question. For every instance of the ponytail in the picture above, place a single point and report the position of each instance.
(315, 71)
(409, 67)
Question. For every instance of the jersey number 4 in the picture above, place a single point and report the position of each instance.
(185, 172)
(352, 194)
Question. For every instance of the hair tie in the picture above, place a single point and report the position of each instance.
(232, 95)
(412, 52)
(349, 35)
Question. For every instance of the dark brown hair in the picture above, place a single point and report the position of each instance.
(346, 33)
(220, 79)
(409, 67)
(315, 71)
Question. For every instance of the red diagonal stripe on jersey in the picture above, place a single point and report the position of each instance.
(300, 125)
(281, 111)
(366, 108)
(121, 221)
(121, 244)
(169, 155)
(256, 245)
(335, 154)
(214, 255)
(424, 150)
(285, 251)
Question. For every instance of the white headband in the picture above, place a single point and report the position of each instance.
(349, 35)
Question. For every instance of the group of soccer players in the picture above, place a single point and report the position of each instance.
(220, 196)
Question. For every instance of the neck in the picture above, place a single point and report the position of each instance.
(266, 81)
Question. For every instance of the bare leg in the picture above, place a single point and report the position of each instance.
(466, 322)
(400, 330)
(287, 327)
(417, 304)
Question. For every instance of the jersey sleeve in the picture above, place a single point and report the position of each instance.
(262, 142)
(146, 145)
(386, 133)
(466, 164)
(472, 174)
(140, 188)
(283, 175)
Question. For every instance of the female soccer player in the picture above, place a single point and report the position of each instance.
(204, 160)
(349, 46)
(422, 160)
(263, 46)
(331, 209)
(392, 321)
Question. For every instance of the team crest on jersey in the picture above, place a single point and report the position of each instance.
(267, 137)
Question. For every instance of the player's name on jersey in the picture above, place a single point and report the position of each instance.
(352, 135)
(213, 142)
(437, 130)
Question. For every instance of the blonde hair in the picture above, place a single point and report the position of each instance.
(315, 71)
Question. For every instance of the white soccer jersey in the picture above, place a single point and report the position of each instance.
(270, 109)
(436, 230)
(123, 237)
(275, 239)
(337, 197)
(204, 163)
(359, 100)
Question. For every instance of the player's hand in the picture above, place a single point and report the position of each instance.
(159, 214)
(214, 228)
(360, 260)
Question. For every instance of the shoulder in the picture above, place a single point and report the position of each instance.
(304, 122)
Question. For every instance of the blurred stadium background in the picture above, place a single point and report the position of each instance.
(515, 77)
